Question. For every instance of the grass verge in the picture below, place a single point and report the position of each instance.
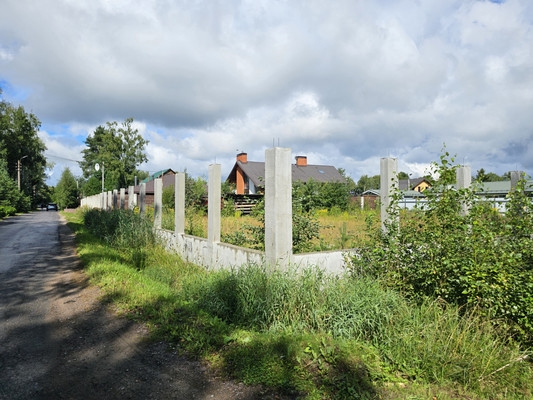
(304, 333)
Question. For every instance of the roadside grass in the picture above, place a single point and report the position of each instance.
(305, 333)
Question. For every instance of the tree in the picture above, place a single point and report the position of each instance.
(21, 147)
(195, 191)
(119, 150)
(66, 191)
(365, 183)
(402, 175)
(10, 196)
(482, 176)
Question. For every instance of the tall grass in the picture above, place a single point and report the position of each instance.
(314, 334)
(434, 341)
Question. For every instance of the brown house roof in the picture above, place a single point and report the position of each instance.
(256, 173)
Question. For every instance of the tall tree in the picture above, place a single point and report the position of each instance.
(119, 150)
(66, 191)
(21, 148)
(10, 196)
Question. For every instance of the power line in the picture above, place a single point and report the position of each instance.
(62, 158)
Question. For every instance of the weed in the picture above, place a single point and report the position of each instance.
(310, 334)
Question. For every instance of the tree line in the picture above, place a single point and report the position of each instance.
(22, 160)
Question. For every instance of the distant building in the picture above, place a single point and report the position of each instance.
(416, 184)
(168, 176)
(248, 177)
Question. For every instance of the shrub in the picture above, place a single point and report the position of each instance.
(481, 259)
(6, 211)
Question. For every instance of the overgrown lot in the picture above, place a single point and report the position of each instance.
(302, 332)
(317, 230)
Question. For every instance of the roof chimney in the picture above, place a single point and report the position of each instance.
(301, 161)
(242, 157)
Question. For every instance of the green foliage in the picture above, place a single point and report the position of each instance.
(168, 198)
(121, 228)
(366, 182)
(119, 150)
(305, 228)
(312, 195)
(483, 176)
(6, 211)
(9, 193)
(478, 260)
(194, 222)
(66, 190)
(19, 142)
(125, 230)
(228, 207)
(311, 335)
(195, 192)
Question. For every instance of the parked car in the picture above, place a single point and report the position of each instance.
(51, 206)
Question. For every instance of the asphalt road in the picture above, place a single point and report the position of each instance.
(28, 245)
(59, 341)
(25, 238)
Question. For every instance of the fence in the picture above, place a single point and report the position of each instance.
(210, 252)
(213, 254)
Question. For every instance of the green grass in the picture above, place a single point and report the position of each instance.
(306, 333)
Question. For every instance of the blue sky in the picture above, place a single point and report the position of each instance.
(343, 82)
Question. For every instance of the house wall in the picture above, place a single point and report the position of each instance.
(421, 186)
(240, 181)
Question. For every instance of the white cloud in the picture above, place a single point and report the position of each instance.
(345, 82)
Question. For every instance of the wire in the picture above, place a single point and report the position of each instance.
(62, 158)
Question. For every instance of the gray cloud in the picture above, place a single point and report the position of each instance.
(344, 82)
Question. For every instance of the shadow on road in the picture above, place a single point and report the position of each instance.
(60, 342)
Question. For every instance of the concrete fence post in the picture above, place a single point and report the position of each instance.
(142, 198)
(464, 180)
(103, 201)
(122, 198)
(388, 184)
(109, 200)
(515, 177)
(131, 197)
(158, 202)
(278, 207)
(214, 203)
(179, 203)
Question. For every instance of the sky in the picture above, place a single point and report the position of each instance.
(343, 82)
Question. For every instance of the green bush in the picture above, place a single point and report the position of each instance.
(6, 211)
(479, 260)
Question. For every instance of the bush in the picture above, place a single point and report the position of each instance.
(479, 260)
(6, 211)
